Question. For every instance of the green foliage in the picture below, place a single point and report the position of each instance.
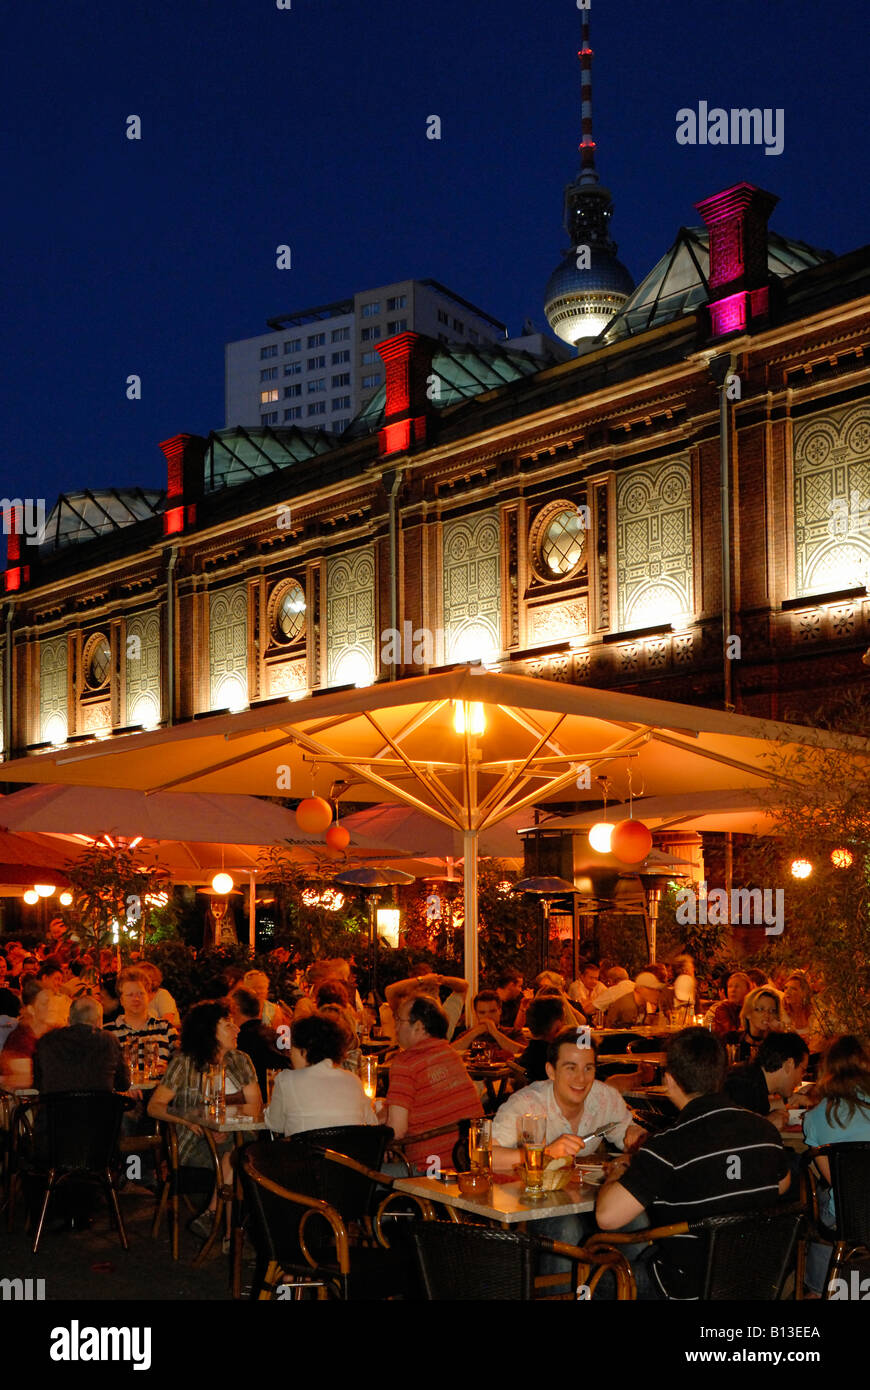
(110, 886)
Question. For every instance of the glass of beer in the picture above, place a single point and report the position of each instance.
(480, 1146)
(368, 1075)
(533, 1138)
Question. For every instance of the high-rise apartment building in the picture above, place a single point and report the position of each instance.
(319, 367)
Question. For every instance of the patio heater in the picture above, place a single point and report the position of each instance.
(372, 882)
(548, 890)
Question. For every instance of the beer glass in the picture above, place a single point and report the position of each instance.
(480, 1146)
(368, 1075)
(533, 1138)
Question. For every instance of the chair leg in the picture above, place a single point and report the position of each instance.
(48, 1191)
(161, 1208)
(115, 1207)
(838, 1255)
(267, 1288)
(175, 1219)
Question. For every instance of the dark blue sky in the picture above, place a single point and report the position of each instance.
(307, 126)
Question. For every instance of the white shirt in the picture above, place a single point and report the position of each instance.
(603, 1105)
(684, 989)
(609, 996)
(162, 1004)
(584, 996)
(316, 1098)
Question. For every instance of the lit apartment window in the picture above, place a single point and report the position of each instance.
(268, 373)
(316, 339)
(343, 356)
(269, 419)
(443, 316)
(292, 368)
(340, 403)
(315, 363)
(369, 358)
(373, 380)
(397, 326)
(270, 351)
(318, 385)
(293, 345)
(294, 412)
(341, 379)
(398, 301)
(459, 325)
(291, 392)
(267, 396)
(318, 408)
(369, 310)
(369, 335)
(341, 335)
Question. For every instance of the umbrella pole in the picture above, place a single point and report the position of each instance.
(373, 928)
(252, 914)
(470, 879)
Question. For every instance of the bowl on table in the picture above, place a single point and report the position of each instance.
(474, 1184)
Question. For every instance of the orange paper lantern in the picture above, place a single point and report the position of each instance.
(631, 841)
(337, 837)
(313, 814)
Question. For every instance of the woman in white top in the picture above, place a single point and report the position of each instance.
(318, 1093)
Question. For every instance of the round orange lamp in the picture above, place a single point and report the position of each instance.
(631, 841)
(841, 858)
(313, 815)
(337, 837)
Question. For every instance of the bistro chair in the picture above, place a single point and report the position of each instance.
(850, 1183)
(77, 1137)
(460, 1154)
(746, 1256)
(300, 1237)
(184, 1181)
(461, 1262)
(353, 1188)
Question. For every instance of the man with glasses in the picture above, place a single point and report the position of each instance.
(429, 1086)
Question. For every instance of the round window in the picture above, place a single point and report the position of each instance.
(290, 613)
(98, 661)
(563, 542)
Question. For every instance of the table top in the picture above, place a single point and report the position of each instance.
(22, 1092)
(642, 1091)
(233, 1124)
(793, 1138)
(655, 1059)
(505, 1201)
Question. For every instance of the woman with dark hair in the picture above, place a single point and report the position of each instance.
(842, 1116)
(317, 1093)
(208, 1039)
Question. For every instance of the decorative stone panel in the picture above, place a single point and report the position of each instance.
(228, 646)
(350, 618)
(654, 543)
(142, 668)
(288, 677)
(472, 586)
(53, 675)
(553, 622)
(832, 500)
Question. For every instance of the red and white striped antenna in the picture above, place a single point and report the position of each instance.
(588, 172)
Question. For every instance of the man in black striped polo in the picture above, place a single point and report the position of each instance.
(716, 1159)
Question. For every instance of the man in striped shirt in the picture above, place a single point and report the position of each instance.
(429, 1085)
(136, 1024)
(716, 1159)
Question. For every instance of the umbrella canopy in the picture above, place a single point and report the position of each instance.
(416, 832)
(468, 748)
(738, 811)
(29, 859)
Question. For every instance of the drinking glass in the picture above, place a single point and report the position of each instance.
(271, 1073)
(135, 1061)
(480, 1146)
(152, 1059)
(214, 1094)
(533, 1137)
(368, 1075)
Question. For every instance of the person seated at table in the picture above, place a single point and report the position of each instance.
(10, 1008)
(760, 1014)
(586, 988)
(135, 1024)
(318, 1093)
(15, 954)
(799, 1013)
(778, 1069)
(638, 1006)
(545, 1018)
(616, 985)
(160, 1002)
(724, 1016)
(684, 986)
(81, 1056)
(50, 975)
(679, 1174)
(840, 1116)
(41, 1010)
(430, 985)
(208, 1039)
(572, 1016)
(509, 988)
(429, 1086)
(271, 1013)
(486, 1042)
(255, 1039)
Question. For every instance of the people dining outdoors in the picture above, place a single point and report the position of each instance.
(637, 1006)
(724, 1016)
(160, 1002)
(799, 1013)
(255, 1039)
(318, 1093)
(135, 1024)
(431, 985)
(777, 1070)
(41, 1011)
(484, 1040)
(271, 1014)
(586, 988)
(679, 1174)
(544, 1019)
(208, 1040)
(81, 1056)
(509, 988)
(429, 1086)
(760, 1013)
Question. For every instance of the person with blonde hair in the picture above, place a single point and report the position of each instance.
(760, 1014)
(800, 1015)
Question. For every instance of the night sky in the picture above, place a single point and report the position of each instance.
(263, 126)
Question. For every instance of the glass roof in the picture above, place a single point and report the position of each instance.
(236, 455)
(678, 283)
(82, 516)
(461, 372)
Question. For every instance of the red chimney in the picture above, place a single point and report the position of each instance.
(16, 573)
(408, 362)
(739, 278)
(184, 455)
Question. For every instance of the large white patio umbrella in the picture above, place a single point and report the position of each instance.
(467, 748)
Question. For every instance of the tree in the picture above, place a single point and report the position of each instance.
(116, 895)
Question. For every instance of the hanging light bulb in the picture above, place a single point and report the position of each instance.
(45, 890)
(222, 883)
(801, 868)
(66, 899)
(468, 718)
(841, 858)
(600, 836)
(31, 896)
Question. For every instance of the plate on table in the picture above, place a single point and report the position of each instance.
(592, 1174)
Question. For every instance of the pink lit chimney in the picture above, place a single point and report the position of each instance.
(739, 278)
(408, 362)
